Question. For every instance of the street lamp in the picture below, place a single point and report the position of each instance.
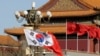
(33, 16)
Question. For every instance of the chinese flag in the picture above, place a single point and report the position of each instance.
(71, 27)
(98, 33)
(82, 29)
(92, 32)
(55, 47)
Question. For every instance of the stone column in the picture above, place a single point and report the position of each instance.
(23, 45)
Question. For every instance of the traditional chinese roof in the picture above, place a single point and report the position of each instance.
(75, 13)
(49, 27)
(63, 8)
(67, 8)
(60, 5)
(6, 40)
(91, 3)
(58, 29)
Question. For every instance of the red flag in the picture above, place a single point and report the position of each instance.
(71, 27)
(82, 29)
(55, 47)
(92, 32)
(98, 32)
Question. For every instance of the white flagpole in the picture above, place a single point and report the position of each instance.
(98, 46)
(98, 43)
(88, 43)
(77, 39)
(66, 39)
(97, 51)
(77, 42)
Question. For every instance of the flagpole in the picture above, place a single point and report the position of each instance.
(98, 46)
(88, 43)
(66, 39)
(98, 42)
(77, 39)
(97, 52)
(77, 42)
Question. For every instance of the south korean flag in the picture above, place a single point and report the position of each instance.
(36, 38)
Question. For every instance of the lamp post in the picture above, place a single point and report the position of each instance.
(33, 18)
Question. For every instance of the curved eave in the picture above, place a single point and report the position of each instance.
(6, 40)
(14, 31)
(91, 3)
(58, 28)
(74, 13)
(69, 13)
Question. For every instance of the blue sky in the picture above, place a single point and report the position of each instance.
(8, 8)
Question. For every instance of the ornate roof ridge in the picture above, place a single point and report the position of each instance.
(80, 4)
(92, 4)
(85, 4)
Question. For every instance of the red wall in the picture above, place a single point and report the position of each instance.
(62, 43)
(71, 44)
(82, 45)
